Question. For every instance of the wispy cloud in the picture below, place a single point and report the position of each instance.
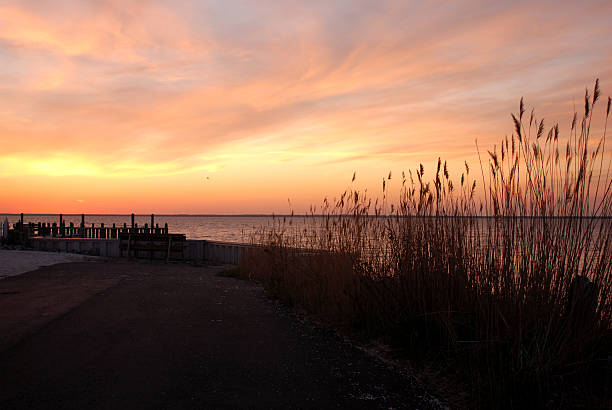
(109, 88)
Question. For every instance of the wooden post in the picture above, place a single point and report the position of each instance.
(132, 221)
(21, 220)
(152, 221)
(166, 228)
(83, 226)
(150, 238)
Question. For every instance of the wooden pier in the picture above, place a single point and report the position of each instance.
(132, 241)
(148, 241)
(63, 230)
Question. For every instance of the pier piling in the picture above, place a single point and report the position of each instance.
(82, 225)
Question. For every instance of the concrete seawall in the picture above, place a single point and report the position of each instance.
(213, 251)
(193, 250)
(94, 247)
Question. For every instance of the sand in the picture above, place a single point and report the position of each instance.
(17, 262)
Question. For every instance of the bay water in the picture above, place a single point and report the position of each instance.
(226, 228)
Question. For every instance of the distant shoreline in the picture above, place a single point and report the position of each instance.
(318, 216)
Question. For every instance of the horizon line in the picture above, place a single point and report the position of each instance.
(323, 215)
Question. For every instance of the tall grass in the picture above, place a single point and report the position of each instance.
(505, 272)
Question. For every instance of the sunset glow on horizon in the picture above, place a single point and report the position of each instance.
(235, 107)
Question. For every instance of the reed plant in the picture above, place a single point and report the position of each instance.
(504, 273)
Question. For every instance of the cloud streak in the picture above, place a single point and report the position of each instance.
(112, 89)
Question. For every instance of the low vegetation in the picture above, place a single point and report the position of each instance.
(502, 275)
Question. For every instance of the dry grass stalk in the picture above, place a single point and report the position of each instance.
(493, 281)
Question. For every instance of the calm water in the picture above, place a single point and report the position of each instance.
(218, 228)
(212, 227)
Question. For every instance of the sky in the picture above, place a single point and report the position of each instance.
(233, 107)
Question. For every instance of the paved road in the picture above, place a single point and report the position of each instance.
(136, 335)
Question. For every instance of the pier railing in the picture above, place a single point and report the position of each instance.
(88, 232)
(62, 230)
(131, 241)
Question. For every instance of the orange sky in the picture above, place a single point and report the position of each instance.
(236, 106)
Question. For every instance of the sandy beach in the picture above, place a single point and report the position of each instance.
(13, 262)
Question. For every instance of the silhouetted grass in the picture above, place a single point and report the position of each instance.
(510, 286)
